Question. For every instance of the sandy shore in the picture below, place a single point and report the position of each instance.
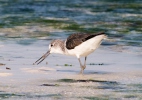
(110, 75)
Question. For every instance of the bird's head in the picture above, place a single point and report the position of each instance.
(56, 46)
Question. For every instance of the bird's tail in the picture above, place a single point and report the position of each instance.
(103, 34)
(105, 37)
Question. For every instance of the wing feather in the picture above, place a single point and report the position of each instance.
(78, 38)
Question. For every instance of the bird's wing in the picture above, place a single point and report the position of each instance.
(78, 38)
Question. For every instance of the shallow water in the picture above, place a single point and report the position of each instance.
(119, 77)
(113, 71)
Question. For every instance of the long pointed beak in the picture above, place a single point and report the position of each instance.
(42, 58)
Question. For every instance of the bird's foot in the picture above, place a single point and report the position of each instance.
(84, 67)
(82, 70)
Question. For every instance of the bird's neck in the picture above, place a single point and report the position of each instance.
(61, 48)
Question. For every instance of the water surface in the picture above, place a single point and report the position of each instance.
(28, 26)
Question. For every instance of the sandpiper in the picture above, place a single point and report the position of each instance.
(79, 45)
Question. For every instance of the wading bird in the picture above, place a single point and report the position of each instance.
(79, 45)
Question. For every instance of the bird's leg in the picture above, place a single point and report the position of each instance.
(82, 67)
(85, 63)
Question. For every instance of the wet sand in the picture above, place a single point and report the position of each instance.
(110, 74)
(114, 71)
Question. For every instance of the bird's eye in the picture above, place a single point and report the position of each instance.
(51, 45)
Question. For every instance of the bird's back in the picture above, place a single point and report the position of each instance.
(83, 44)
(78, 38)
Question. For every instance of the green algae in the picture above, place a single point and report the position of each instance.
(130, 96)
(136, 85)
(67, 65)
(96, 98)
(67, 80)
